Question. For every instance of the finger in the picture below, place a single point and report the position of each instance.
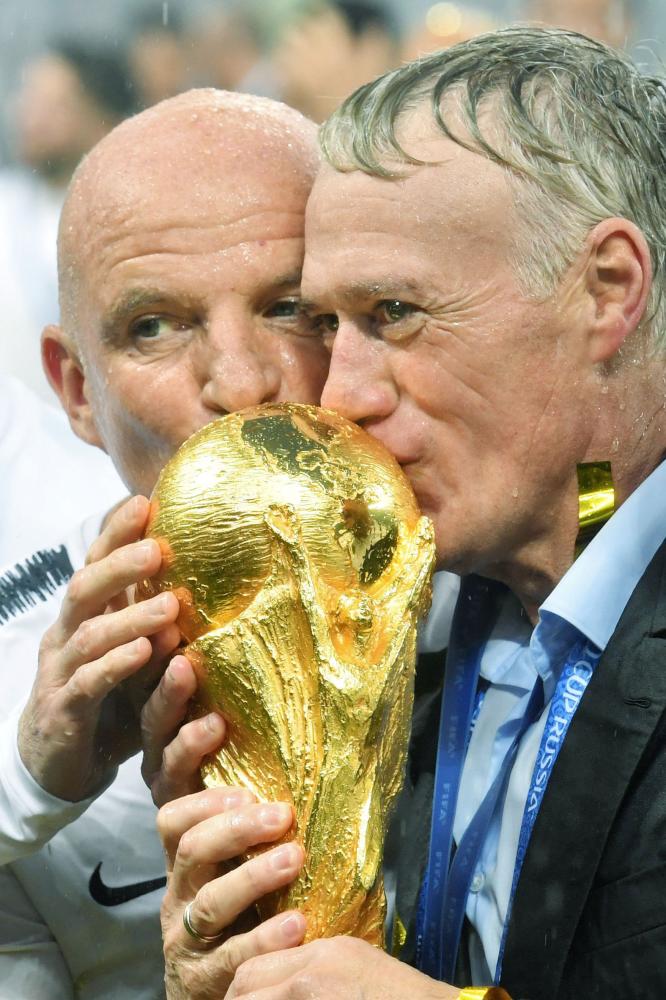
(261, 961)
(180, 773)
(123, 525)
(126, 524)
(220, 901)
(98, 636)
(74, 715)
(140, 686)
(92, 587)
(176, 772)
(281, 932)
(270, 993)
(226, 837)
(164, 643)
(92, 682)
(164, 711)
(176, 818)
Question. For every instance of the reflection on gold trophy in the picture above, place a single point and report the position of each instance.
(295, 545)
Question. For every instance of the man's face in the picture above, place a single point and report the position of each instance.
(438, 353)
(189, 303)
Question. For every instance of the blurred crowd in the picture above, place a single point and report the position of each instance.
(309, 54)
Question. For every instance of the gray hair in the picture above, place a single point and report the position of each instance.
(582, 132)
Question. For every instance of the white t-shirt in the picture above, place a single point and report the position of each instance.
(49, 480)
(68, 927)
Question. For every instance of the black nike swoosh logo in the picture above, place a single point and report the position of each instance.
(107, 895)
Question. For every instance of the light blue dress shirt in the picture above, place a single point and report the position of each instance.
(589, 599)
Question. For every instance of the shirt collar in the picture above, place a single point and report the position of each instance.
(588, 600)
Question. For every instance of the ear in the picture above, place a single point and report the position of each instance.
(619, 278)
(65, 373)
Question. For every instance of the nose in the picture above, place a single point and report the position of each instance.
(238, 367)
(360, 385)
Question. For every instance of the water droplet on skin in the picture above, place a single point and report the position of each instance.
(604, 389)
(615, 444)
(514, 492)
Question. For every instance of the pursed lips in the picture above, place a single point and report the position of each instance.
(409, 460)
(426, 498)
(405, 457)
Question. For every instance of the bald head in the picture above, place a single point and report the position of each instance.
(199, 149)
(180, 255)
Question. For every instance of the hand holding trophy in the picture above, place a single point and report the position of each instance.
(302, 565)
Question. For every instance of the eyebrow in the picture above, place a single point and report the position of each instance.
(287, 280)
(129, 302)
(135, 299)
(388, 288)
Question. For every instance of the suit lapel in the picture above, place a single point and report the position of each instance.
(605, 741)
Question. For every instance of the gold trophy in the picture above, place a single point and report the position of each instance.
(296, 548)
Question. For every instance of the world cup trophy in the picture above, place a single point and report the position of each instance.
(302, 566)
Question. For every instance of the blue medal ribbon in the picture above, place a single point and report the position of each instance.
(471, 843)
(575, 677)
(476, 610)
(443, 898)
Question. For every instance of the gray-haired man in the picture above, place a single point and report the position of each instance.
(486, 260)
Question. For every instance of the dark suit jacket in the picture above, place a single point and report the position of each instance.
(589, 915)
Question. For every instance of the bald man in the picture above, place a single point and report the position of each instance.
(180, 251)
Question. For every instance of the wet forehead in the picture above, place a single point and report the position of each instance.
(191, 184)
(452, 186)
(203, 174)
(361, 229)
(218, 213)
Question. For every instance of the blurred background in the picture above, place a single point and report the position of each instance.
(70, 70)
